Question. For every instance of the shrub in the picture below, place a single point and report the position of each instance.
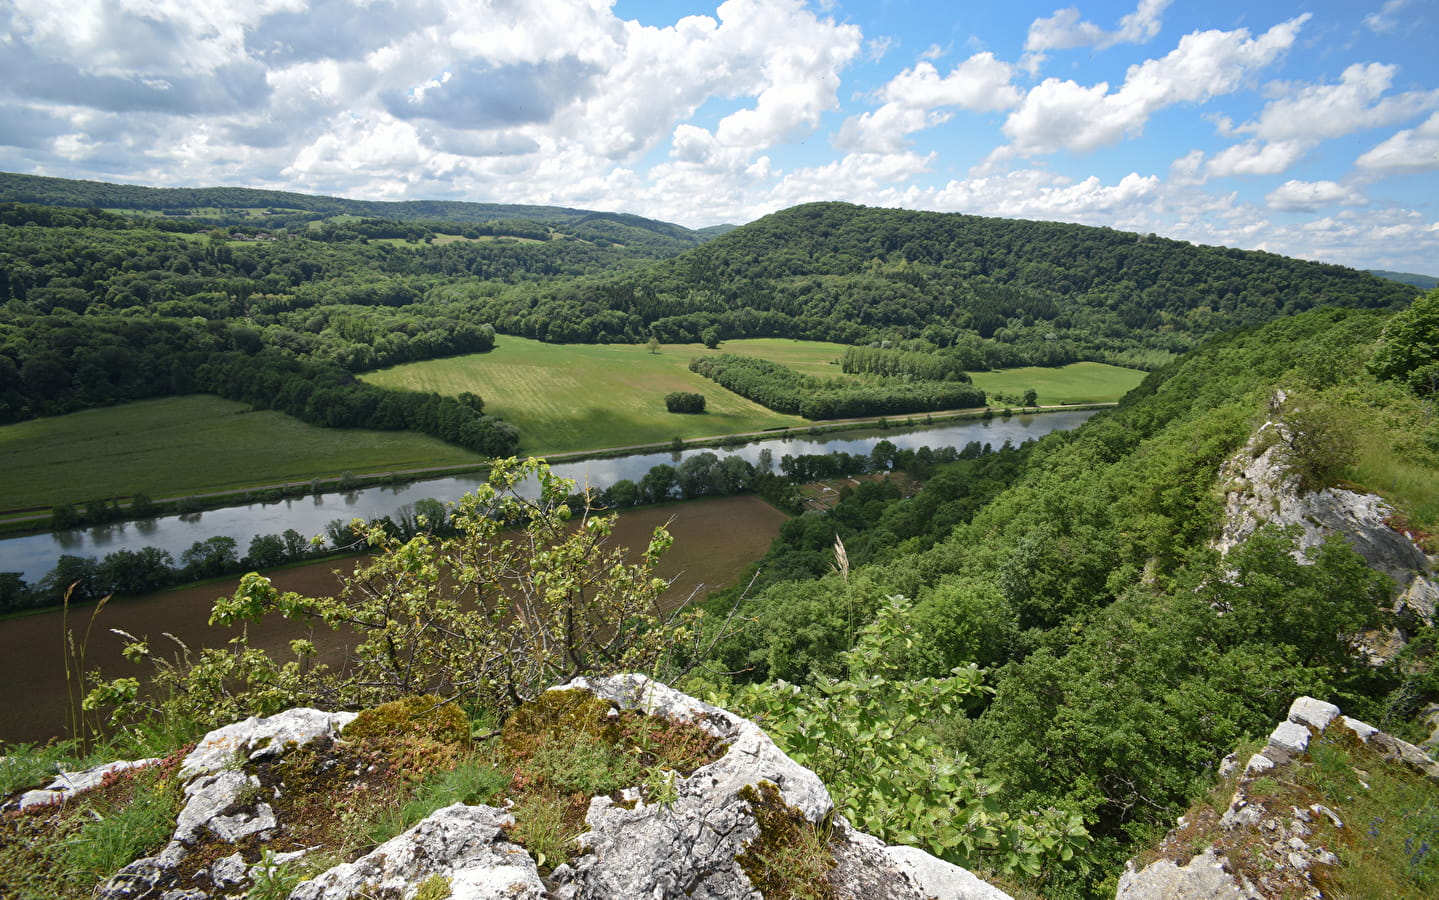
(683, 402)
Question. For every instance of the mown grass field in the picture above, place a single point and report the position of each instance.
(563, 398)
(177, 446)
(1081, 382)
(566, 397)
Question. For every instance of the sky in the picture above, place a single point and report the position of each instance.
(1304, 128)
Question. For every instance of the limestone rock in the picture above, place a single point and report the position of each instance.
(689, 848)
(215, 791)
(1278, 838)
(1263, 489)
(255, 738)
(465, 844)
(68, 784)
(1202, 878)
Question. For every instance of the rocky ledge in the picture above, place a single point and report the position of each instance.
(698, 838)
(1278, 836)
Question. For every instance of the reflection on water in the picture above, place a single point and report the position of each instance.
(35, 555)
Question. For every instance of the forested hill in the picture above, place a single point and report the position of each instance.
(997, 291)
(231, 205)
(1127, 656)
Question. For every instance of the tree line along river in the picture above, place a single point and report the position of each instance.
(714, 540)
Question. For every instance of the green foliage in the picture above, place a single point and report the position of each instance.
(428, 717)
(274, 880)
(1390, 848)
(436, 887)
(1409, 351)
(111, 840)
(522, 596)
(1320, 439)
(870, 738)
(28, 765)
(786, 391)
(991, 292)
(471, 780)
(684, 402)
(790, 857)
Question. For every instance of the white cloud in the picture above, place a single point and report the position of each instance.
(1255, 158)
(1303, 115)
(1065, 30)
(1384, 20)
(1410, 150)
(1064, 115)
(1035, 193)
(1186, 169)
(919, 98)
(1313, 112)
(1296, 196)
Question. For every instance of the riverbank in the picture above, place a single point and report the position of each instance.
(19, 523)
(715, 539)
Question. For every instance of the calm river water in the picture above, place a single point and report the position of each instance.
(35, 555)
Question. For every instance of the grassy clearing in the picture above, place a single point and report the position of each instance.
(178, 446)
(1081, 382)
(566, 397)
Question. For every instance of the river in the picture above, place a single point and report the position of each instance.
(715, 538)
(35, 555)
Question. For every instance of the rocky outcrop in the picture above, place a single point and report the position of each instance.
(692, 846)
(67, 784)
(1262, 488)
(729, 830)
(465, 846)
(218, 799)
(1268, 842)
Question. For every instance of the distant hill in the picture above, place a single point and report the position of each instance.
(995, 292)
(1427, 282)
(232, 205)
(716, 230)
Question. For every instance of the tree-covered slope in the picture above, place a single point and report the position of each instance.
(1125, 654)
(234, 204)
(995, 291)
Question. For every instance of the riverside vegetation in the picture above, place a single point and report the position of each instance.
(1034, 691)
(1086, 589)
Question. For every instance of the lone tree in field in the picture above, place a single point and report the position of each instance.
(1031, 398)
(654, 344)
(682, 402)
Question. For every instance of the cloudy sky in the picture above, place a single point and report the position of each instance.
(1305, 127)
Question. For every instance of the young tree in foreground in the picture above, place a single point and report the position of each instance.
(528, 593)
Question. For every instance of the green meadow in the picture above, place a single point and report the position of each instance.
(177, 446)
(563, 398)
(1081, 382)
(568, 397)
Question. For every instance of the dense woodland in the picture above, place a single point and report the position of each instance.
(144, 292)
(1032, 665)
(1123, 656)
(992, 292)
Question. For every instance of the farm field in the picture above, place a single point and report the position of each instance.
(1081, 382)
(567, 397)
(177, 446)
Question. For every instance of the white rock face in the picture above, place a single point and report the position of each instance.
(688, 848)
(255, 738)
(1282, 835)
(1202, 878)
(1261, 488)
(465, 844)
(68, 784)
(213, 788)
